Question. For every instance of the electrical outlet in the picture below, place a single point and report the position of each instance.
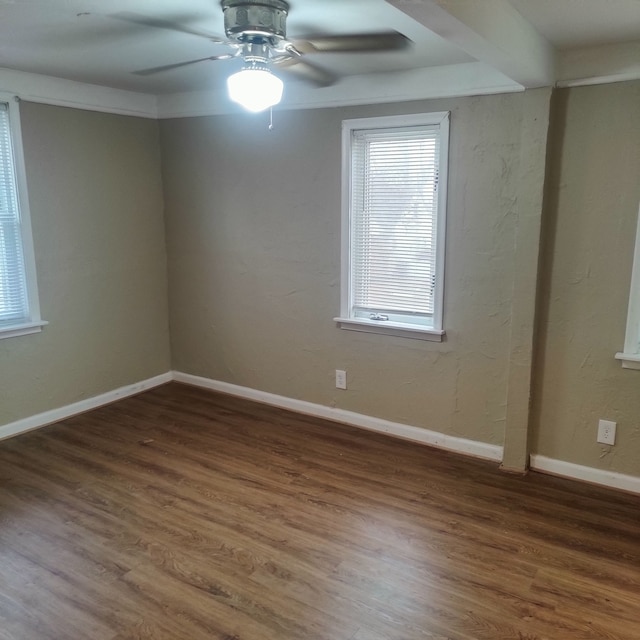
(606, 432)
(341, 379)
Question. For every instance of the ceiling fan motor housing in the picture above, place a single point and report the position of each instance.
(245, 21)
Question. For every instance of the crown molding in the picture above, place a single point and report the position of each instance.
(599, 65)
(467, 79)
(619, 62)
(418, 84)
(33, 87)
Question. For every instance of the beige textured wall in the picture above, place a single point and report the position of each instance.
(96, 204)
(592, 206)
(253, 222)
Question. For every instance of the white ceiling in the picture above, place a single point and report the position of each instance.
(82, 41)
(460, 45)
(569, 24)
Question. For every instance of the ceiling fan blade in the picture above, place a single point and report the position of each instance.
(384, 41)
(176, 65)
(147, 21)
(306, 71)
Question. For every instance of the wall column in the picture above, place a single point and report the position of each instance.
(533, 153)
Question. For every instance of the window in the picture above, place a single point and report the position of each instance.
(19, 309)
(631, 355)
(393, 224)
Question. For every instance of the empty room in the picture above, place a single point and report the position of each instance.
(320, 320)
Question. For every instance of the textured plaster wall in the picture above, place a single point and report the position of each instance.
(96, 205)
(253, 241)
(253, 227)
(592, 207)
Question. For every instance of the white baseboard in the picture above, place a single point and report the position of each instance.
(404, 431)
(586, 474)
(48, 417)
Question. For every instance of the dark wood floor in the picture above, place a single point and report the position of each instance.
(180, 514)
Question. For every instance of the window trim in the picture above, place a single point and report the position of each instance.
(33, 323)
(630, 357)
(345, 321)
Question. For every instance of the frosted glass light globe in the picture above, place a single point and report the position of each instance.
(255, 89)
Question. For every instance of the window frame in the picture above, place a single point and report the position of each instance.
(32, 322)
(346, 320)
(630, 357)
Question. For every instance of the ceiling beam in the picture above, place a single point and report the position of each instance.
(491, 31)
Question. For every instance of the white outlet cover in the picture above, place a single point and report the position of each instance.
(341, 379)
(606, 432)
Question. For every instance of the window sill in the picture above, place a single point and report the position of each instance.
(391, 329)
(21, 329)
(629, 360)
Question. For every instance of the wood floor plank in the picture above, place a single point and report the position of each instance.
(181, 514)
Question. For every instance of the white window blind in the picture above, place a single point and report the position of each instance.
(14, 304)
(395, 178)
(396, 211)
(19, 310)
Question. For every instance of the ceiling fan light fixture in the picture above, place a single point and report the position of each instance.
(255, 88)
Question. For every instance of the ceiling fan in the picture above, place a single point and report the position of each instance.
(256, 33)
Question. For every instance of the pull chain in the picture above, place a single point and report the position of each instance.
(270, 118)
